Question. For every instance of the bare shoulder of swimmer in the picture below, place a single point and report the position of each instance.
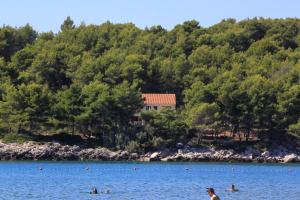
(215, 198)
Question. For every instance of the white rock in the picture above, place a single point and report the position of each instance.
(290, 158)
(154, 156)
(179, 151)
(266, 154)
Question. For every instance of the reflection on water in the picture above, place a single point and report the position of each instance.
(163, 181)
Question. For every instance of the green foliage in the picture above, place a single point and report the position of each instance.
(204, 116)
(15, 138)
(67, 24)
(88, 79)
(68, 105)
(294, 129)
(289, 105)
(95, 116)
(25, 108)
(15, 39)
(165, 127)
(133, 147)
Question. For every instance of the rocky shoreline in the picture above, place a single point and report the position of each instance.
(56, 151)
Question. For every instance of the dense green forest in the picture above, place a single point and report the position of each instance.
(233, 76)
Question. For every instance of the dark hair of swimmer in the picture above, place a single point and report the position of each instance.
(94, 191)
(233, 189)
(210, 190)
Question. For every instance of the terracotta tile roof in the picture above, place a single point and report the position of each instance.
(160, 99)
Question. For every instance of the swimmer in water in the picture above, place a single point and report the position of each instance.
(232, 189)
(105, 191)
(212, 195)
(94, 191)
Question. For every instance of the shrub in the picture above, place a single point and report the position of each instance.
(133, 147)
(15, 138)
(158, 142)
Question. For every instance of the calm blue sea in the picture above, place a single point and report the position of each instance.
(150, 181)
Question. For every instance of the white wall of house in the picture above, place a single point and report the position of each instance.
(158, 107)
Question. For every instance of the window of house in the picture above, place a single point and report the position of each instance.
(148, 107)
(155, 107)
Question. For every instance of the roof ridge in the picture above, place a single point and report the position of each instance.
(159, 98)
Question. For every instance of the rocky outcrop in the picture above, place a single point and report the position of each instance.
(291, 158)
(211, 154)
(56, 151)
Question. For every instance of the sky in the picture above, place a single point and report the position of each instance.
(48, 15)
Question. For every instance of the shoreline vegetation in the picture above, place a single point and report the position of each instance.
(237, 87)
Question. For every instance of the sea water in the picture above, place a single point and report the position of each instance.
(148, 181)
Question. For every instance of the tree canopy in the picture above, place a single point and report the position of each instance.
(88, 79)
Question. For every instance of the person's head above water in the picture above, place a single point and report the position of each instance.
(210, 191)
(232, 189)
(94, 191)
